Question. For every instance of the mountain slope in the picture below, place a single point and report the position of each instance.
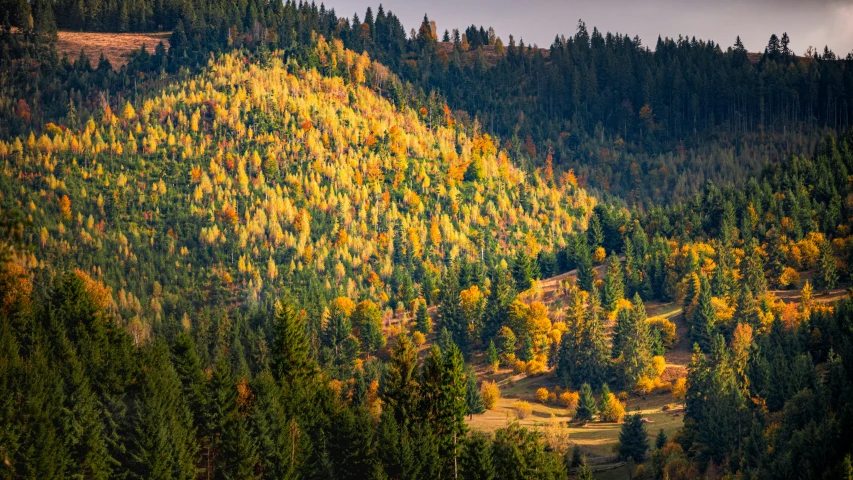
(257, 176)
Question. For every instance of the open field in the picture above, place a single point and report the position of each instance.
(114, 46)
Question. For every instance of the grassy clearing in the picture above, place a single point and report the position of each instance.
(114, 46)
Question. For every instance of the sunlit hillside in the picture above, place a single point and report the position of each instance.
(258, 176)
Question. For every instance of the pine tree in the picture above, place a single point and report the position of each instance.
(359, 389)
(526, 352)
(633, 439)
(747, 311)
(398, 454)
(586, 405)
(595, 232)
(613, 283)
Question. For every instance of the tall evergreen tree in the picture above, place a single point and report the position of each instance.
(290, 361)
(827, 271)
(704, 318)
(161, 440)
(614, 289)
(587, 407)
(475, 462)
(633, 439)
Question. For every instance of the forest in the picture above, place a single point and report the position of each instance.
(290, 244)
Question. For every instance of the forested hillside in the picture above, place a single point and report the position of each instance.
(296, 245)
(647, 121)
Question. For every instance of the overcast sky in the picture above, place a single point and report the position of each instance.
(808, 22)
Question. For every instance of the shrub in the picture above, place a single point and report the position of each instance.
(644, 386)
(666, 329)
(542, 395)
(789, 278)
(534, 368)
(569, 400)
(552, 397)
(679, 389)
(418, 338)
(519, 366)
(612, 410)
(659, 364)
(490, 393)
(522, 409)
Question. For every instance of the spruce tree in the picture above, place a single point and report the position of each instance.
(423, 322)
(220, 407)
(472, 393)
(475, 462)
(492, 353)
(521, 272)
(290, 360)
(704, 318)
(239, 450)
(583, 260)
(827, 271)
(633, 439)
(614, 289)
(401, 389)
(586, 405)
(450, 309)
(280, 442)
(161, 440)
(188, 368)
(660, 440)
(636, 354)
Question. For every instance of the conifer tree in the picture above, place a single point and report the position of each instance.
(472, 393)
(521, 271)
(220, 407)
(827, 271)
(423, 322)
(633, 439)
(239, 450)
(583, 260)
(161, 441)
(280, 443)
(613, 283)
(636, 354)
(188, 368)
(400, 392)
(492, 353)
(704, 318)
(450, 309)
(475, 462)
(290, 361)
(660, 440)
(754, 269)
(586, 405)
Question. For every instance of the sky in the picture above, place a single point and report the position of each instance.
(807, 22)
